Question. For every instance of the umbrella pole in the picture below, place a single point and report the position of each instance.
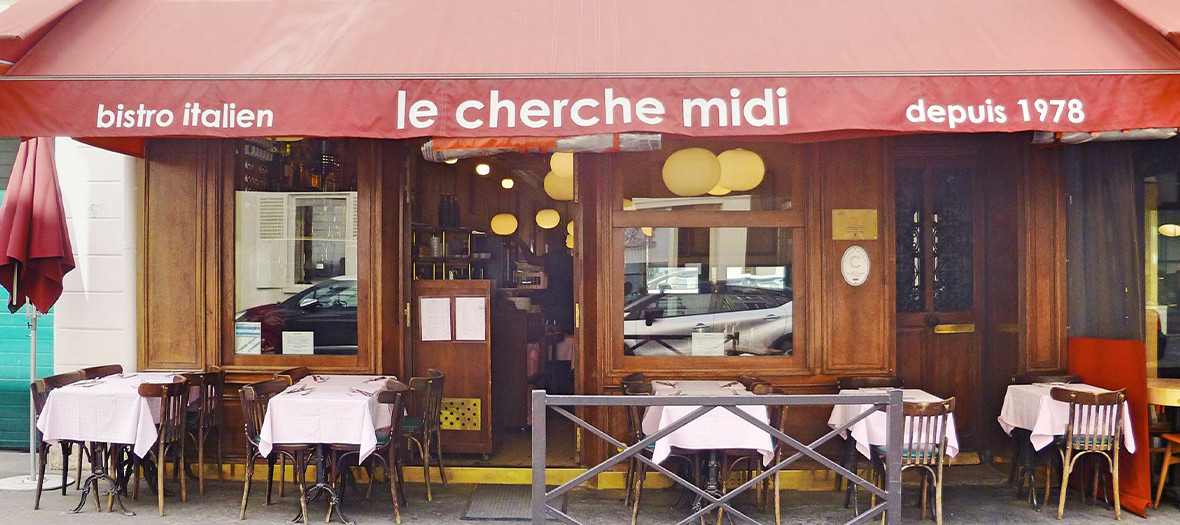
(33, 456)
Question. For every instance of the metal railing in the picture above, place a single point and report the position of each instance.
(889, 498)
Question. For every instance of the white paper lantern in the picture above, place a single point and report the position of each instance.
(691, 172)
(569, 241)
(562, 164)
(482, 169)
(569, 228)
(504, 224)
(548, 218)
(718, 190)
(1170, 230)
(741, 170)
(647, 230)
(559, 188)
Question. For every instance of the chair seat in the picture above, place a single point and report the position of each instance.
(411, 424)
(908, 453)
(1174, 438)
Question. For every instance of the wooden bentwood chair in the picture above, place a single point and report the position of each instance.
(423, 426)
(750, 461)
(635, 433)
(40, 389)
(923, 447)
(254, 400)
(1171, 457)
(389, 447)
(170, 434)
(1095, 426)
(293, 375)
(205, 422)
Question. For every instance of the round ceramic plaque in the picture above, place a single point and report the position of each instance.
(854, 265)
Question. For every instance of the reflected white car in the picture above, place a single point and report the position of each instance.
(755, 321)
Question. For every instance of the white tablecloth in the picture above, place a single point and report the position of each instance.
(106, 410)
(718, 429)
(874, 430)
(327, 411)
(1030, 407)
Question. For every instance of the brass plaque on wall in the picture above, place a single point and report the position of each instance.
(460, 413)
(854, 225)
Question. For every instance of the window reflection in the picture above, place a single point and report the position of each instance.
(708, 292)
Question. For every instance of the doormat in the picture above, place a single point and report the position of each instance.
(502, 503)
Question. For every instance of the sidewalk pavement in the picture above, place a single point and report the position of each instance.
(973, 495)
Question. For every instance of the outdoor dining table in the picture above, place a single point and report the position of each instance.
(104, 411)
(1030, 407)
(324, 410)
(874, 429)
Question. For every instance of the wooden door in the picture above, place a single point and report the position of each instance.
(939, 266)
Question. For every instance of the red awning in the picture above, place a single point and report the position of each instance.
(474, 68)
(24, 23)
(1163, 15)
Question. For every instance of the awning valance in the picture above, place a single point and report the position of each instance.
(472, 68)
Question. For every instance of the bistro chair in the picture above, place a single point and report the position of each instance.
(293, 375)
(627, 381)
(751, 381)
(851, 456)
(170, 434)
(389, 448)
(254, 399)
(1171, 457)
(635, 433)
(95, 372)
(423, 426)
(40, 389)
(203, 419)
(1024, 457)
(1095, 426)
(923, 447)
(632, 379)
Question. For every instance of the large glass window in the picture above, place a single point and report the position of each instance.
(295, 247)
(695, 292)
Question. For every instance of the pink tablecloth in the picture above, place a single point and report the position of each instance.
(106, 410)
(874, 430)
(1030, 407)
(327, 410)
(717, 429)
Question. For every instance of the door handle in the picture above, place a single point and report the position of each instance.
(963, 328)
(770, 317)
(699, 327)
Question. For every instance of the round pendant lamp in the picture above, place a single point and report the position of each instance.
(718, 190)
(569, 241)
(548, 218)
(691, 172)
(741, 170)
(562, 164)
(504, 224)
(1170, 230)
(647, 230)
(559, 188)
(569, 228)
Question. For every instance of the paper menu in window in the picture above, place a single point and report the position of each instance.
(708, 344)
(470, 318)
(298, 343)
(434, 318)
(248, 338)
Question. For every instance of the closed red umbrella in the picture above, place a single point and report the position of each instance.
(35, 252)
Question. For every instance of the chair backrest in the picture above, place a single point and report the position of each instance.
(632, 379)
(430, 401)
(293, 375)
(924, 442)
(1029, 378)
(635, 413)
(209, 387)
(750, 381)
(254, 397)
(173, 403)
(777, 413)
(1095, 418)
(853, 382)
(94, 372)
(40, 388)
(394, 395)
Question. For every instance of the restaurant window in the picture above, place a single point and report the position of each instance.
(693, 292)
(708, 272)
(295, 248)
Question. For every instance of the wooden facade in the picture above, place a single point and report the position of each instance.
(186, 236)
